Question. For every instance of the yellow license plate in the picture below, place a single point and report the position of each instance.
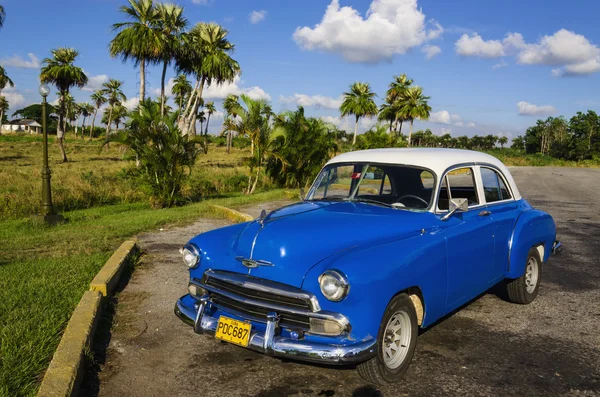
(233, 331)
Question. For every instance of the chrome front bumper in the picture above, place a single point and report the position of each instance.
(273, 345)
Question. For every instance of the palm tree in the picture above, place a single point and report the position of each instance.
(114, 96)
(181, 89)
(3, 110)
(415, 106)
(119, 113)
(98, 100)
(138, 39)
(358, 102)
(60, 71)
(171, 24)
(502, 141)
(229, 104)
(4, 79)
(205, 53)
(86, 111)
(210, 109)
(249, 118)
(2, 16)
(395, 96)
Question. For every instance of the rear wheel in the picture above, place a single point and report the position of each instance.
(396, 343)
(524, 289)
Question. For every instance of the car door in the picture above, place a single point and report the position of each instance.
(503, 212)
(469, 238)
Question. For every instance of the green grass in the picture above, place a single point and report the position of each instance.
(512, 157)
(45, 270)
(96, 176)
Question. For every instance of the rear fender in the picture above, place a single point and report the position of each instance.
(534, 228)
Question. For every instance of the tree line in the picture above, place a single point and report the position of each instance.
(575, 139)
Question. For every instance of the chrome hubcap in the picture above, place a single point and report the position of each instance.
(396, 339)
(531, 275)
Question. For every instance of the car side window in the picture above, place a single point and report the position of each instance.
(493, 186)
(458, 183)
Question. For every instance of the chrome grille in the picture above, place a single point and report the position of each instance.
(253, 298)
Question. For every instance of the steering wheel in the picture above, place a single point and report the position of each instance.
(412, 196)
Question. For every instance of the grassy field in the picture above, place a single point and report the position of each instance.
(44, 271)
(96, 176)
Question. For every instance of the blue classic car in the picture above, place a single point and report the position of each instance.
(386, 241)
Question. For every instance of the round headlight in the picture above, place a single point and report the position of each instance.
(191, 255)
(334, 285)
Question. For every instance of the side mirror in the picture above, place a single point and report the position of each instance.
(456, 205)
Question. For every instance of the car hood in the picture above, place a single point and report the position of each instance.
(291, 240)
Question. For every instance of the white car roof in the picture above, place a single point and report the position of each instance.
(435, 159)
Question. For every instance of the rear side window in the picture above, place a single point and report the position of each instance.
(493, 186)
(462, 185)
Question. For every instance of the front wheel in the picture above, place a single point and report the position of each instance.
(396, 342)
(524, 289)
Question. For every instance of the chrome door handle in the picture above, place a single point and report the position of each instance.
(485, 213)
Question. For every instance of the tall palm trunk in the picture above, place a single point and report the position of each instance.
(410, 131)
(142, 80)
(93, 121)
(61, 128)
(206, 129)
(229, 136)
(162, 89)
(355, 131)
(83, 127)
(109, 122)
(1, 118)
(187, 123)
(400, 127)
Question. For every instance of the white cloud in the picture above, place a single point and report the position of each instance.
(447, 118)
(347, 123)
(17, 62)
(389, 27)
(474, 45)
(95, 82)
(573, 53)
(168, 88)
(529, 109)
(445, 131)
(257, 16)
(131, 103)
(220, 91)
(15, 99)
(201, 2)
(501, 64)
(430, 51)
(317, 101)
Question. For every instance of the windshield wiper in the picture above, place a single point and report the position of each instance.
(371, 201)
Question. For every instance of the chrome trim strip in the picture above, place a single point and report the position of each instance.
(244, 281)
(323, 315)
(301, 350)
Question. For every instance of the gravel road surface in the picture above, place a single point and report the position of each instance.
(489, 348)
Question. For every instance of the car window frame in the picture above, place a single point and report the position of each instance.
(476, 181)
(504, 180)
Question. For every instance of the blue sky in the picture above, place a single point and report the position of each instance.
(493, 67)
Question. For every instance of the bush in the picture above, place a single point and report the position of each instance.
(165, 156)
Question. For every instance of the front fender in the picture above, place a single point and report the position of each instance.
(533, 228)
(378, 272)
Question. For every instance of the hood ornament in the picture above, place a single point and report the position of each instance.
(252, 263)
(262, 217)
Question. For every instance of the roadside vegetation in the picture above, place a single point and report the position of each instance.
(45, 270)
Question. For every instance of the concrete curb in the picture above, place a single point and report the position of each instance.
(232, 214)
(65, 372)
(108, 277)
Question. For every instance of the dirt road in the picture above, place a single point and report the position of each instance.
(490, 347)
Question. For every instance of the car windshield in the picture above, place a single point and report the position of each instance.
(396, 186)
